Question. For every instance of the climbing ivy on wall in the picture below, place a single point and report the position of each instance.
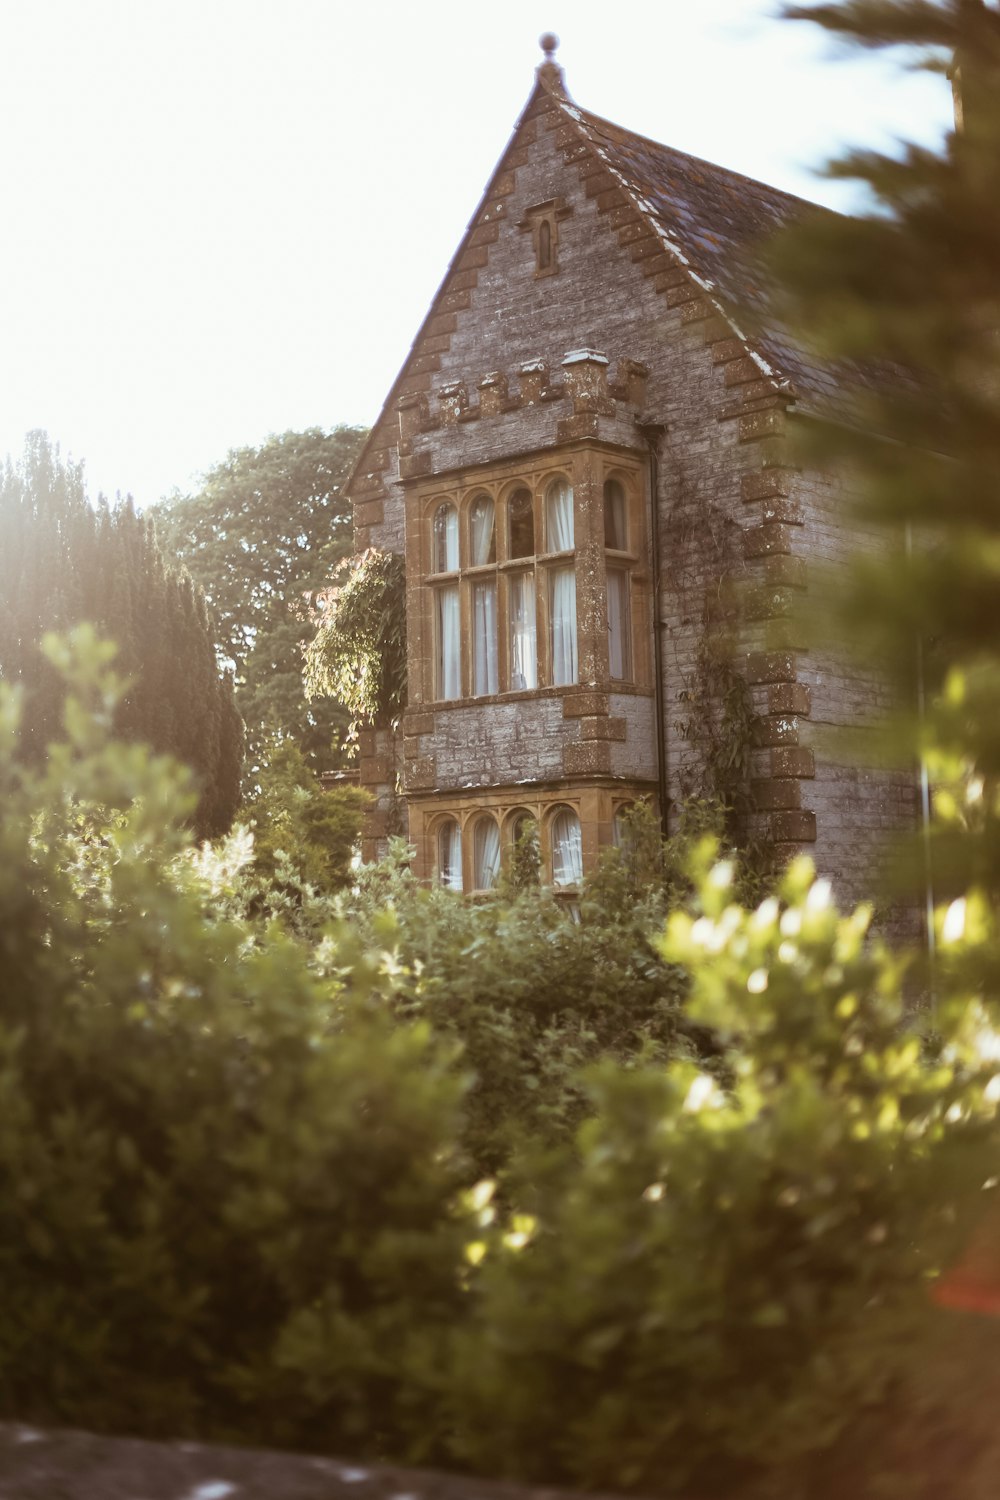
(359, 651)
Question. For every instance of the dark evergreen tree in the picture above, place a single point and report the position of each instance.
(64, 561)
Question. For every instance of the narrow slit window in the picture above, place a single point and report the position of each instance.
(449, 854)
(521, 522)
(523, 633)
(567, 848)
(486, 854)
(448, 631)
(545, 246)
(445, 539)
(484, 638)
(619, 625)
(562, 626)
(482, 532)
(559, 516)
(615, 517)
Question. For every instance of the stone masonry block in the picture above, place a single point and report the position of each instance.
(677, 295)
(742, 371)
(764, 484)
(770, 666)
(783, 729)
(762, 424)
(793, 827)
(783, 509)
(793, 760)
(727, 348)
(777, 796)
(789, 698)
(419, 723)
(581, 705)
(601, 727)
(589, 758)
(420, 775)
(369, 512)
(763, 541)
(786, 572)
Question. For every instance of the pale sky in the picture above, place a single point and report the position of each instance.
(225, 218)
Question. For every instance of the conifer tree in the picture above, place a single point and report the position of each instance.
(907, 301)
(63, 562)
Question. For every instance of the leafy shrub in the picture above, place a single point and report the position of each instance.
(219, 1213)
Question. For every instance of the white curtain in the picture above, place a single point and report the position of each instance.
(619, 632)
(484, 638)
(559, 517)
(567, 848)
(523, 640)
(445, 539)
(481, 532)
(615, 524)
(486, 851)
(450, 855)
(562, 612)
(449, 679)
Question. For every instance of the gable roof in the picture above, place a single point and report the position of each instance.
(716, 223)
(711, 221)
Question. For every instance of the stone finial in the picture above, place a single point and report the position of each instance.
(549, 72)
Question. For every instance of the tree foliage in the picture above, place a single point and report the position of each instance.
(63, 562)
(910, 294)
(359, 650)
(262, 537)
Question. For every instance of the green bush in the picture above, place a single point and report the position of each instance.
(220, 1213)
(717, 1281)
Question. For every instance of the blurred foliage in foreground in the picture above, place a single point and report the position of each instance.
(241, 1154)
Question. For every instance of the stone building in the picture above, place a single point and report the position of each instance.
(583, 461)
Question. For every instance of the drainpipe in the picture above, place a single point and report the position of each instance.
(652, 432)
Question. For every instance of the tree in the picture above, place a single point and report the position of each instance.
(64, 562)
(910, 295)
(262, 538)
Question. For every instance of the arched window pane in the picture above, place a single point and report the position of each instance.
(619, 625)
(559, 516)
(523, 638)
(521, 522)
(449, 855)
(447, 628)
(562, 619)
(445, 539)
(482, 534)
(484, 638)
(615, 517)
(486, 854)
(567, 848)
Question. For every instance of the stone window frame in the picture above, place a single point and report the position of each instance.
(624, 560)
(540, 565)
(506, 818)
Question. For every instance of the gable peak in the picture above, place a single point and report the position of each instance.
(549, 73)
